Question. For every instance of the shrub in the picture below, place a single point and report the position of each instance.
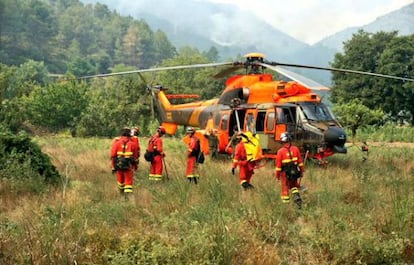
(21, 160)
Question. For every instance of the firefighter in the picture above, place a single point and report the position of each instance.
(193, 152)
(155, 146)
(134, 136)
(210, 124)
(289, 168)
(124, 153)
(246, 168)
(211, 135)
(213, 143)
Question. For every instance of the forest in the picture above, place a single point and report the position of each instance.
(42, 39)
(59, 203)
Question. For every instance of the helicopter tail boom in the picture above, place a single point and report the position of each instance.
(187, 114)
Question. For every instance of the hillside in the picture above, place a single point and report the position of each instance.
(401, 20)
(201, 24)
(236, 32)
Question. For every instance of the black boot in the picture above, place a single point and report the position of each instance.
(195, 180)
(247, 186)
(297, 199)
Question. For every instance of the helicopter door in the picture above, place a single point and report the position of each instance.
(236, 119)
(285, 120)
(265, 124)
(223, 135)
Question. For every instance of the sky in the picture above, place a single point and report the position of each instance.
(312, 20)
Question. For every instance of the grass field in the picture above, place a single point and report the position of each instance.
(354, 212)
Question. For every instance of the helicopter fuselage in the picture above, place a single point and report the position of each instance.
(265, 107)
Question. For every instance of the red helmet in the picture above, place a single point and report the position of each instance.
(161, 130)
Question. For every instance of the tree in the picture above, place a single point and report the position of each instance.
(163, 49)
(354, 115)
(56, 107)
(115, 102)
(15, 83)
(398, 59)
(198, 81)
(382, 52)
(212, 54)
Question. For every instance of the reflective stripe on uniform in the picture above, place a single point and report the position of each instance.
(285, 199)
(288, 160)
(121, 186)
(155, 177)
(128, 189)
(126, 154)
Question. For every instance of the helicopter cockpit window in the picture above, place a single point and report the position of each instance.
(286, 115)
(317, 111)
(280, 116)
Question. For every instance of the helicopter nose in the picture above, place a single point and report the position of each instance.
(335, 138)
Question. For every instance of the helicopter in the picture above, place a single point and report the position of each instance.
(256, 103)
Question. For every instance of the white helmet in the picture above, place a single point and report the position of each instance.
(284, 137)
(190, 130)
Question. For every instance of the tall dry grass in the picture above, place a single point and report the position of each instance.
(354, 213)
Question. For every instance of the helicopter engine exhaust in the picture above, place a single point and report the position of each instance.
(335, 138)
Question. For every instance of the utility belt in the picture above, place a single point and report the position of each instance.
(124, 163)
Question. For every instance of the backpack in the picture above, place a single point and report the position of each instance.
(148, 156)
(292, 169)
(122, 162)
(149, 153)
(200, 158)
(196, 151)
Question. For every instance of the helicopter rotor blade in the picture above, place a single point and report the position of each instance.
(341, 70)
(228, 71)
(158, 69)
(296, 77)
(148, 87)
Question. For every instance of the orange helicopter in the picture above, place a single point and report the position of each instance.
(256, 103)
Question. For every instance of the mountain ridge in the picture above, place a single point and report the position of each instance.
(401, 20)
(236, 32)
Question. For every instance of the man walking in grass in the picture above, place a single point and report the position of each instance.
(289, 168)
(193, 151)
(124, 154)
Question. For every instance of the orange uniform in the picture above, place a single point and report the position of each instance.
(155, 145)
(124, 153)
(246, 168)
(192, 153)
(286, 155)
